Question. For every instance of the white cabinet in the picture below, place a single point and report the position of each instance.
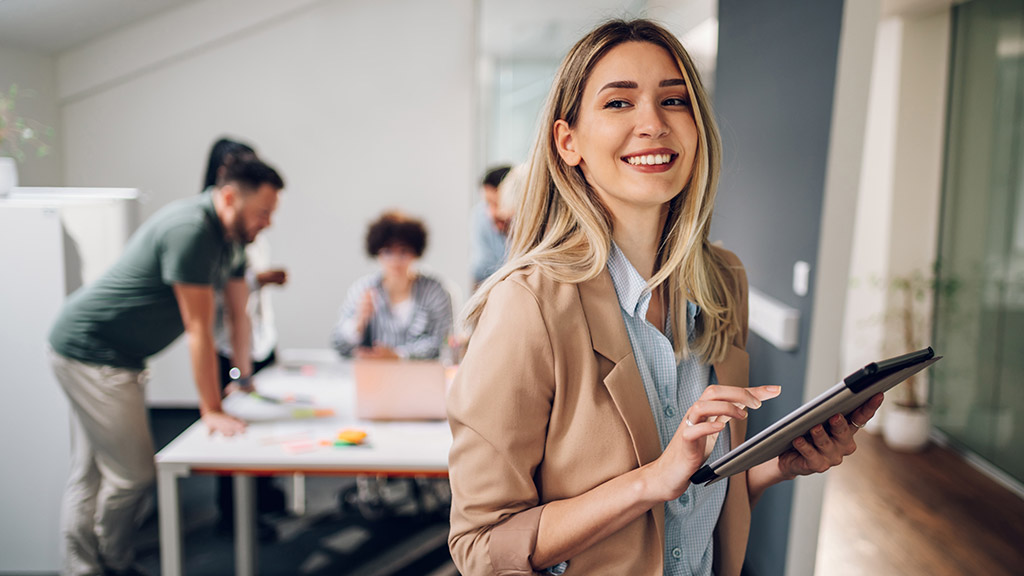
(51, 240)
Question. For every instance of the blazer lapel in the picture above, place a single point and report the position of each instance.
(734, 370)
(610, 340)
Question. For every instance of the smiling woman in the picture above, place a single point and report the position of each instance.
(613, 324)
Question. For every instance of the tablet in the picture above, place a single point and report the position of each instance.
(843, 398)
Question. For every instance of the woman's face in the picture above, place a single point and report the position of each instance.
(395, 260)
(635, 137)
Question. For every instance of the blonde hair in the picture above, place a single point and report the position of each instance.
(562, 228)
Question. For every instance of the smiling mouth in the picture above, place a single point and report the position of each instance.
(649, 159)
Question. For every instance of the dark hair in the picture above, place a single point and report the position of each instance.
(396, 228)
(495, 175)
(223, 152)
(249, 173)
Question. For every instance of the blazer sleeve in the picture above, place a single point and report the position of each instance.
(733, 528)
(498, 410)
(737, 277)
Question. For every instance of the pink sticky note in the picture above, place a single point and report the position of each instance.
(299, 446)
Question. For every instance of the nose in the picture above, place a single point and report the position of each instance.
(651, 123)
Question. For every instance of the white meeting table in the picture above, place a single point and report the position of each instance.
(292, 446)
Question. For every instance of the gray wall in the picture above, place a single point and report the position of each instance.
(773, 93)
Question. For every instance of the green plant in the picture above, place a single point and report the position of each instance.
(911, 310)
(19, 134)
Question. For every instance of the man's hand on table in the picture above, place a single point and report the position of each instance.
(225, 424)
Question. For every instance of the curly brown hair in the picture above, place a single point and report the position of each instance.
(394, 228)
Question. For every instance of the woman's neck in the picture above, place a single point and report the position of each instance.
(638, 237)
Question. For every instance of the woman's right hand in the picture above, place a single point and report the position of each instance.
(365, 311)
(669, 476)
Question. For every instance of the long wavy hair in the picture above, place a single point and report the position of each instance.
(561, 227)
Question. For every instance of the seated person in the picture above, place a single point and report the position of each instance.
(396, 312)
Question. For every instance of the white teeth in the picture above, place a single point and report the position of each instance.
(649, 159)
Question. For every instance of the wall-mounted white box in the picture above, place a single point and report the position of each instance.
(774, 321)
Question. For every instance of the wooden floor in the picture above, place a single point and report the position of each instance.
(889, 513)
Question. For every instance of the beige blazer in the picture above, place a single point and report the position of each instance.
(548, 404)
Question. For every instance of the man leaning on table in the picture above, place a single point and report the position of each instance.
(161, 286)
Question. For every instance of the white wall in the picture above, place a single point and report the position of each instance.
(362, 106)
(36, 77)
(897, 213)
(863, 327)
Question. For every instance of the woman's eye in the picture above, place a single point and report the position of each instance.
(676, 102)
(617, 104)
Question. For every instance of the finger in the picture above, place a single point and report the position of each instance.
(842, 434)
(840, 427)
(707, 409)
(866, 411)
(815, 461)
(749, 397)
(763, 393)
(701, 430)
(823, 442)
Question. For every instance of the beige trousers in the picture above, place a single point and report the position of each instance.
(112, 466)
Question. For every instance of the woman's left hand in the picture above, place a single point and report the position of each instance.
(827, 447)
(378, 353)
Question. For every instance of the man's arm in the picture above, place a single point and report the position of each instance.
(195, 301)
(236, 296)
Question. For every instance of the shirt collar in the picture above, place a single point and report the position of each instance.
(211, 213)
(630, 286)
(632, 291)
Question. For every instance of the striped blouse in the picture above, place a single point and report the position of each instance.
(419, 334)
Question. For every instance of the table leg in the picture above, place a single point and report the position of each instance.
(298, 506)
(170, 521)
(245, 525)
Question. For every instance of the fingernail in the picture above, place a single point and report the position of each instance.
(773, 388)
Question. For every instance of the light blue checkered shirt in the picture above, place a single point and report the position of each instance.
(671, 389)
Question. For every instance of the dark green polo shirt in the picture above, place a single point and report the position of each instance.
(130, 313)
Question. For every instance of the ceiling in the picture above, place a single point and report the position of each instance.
(520, 28)
(509, 28)
(52, 26)
(543, 28)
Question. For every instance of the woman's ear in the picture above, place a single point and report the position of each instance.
(565, 143)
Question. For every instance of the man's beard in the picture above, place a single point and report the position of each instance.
(242, 234)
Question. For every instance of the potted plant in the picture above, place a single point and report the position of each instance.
(18, 137)
(907, 423)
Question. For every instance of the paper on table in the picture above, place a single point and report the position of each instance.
(253, 408)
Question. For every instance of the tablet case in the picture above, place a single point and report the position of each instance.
(844, 398)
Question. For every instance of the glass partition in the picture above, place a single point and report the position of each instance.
(978, 390)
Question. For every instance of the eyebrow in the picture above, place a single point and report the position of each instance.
(629, 84)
